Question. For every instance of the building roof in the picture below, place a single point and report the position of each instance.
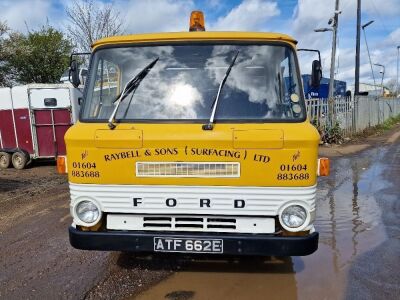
(365, 87)
(194, 36)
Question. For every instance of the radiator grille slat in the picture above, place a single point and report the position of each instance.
(187, 169)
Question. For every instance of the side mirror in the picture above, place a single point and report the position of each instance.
(316, 73)
(74, 73)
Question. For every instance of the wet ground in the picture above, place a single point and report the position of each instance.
(358, 255)
(359, 249)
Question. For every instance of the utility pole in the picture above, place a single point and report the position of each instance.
(397, 78)
(333, 55)
(357, 72)
(334, 23)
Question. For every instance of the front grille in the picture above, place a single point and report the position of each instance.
(188, 169)
(192, 223)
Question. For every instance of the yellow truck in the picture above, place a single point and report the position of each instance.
(194, 142)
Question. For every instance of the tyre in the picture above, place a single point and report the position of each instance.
(19, 160)
(5, 160)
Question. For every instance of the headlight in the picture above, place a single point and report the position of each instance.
(294, 216)
(87, 212)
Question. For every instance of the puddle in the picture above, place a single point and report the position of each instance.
(7, 185)
(180, 295)
(349, 222)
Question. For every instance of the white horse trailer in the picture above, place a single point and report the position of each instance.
(33, 121)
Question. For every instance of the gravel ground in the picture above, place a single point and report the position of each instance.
(37, 261)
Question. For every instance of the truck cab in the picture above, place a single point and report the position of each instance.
(194, 142)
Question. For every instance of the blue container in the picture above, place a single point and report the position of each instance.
(322, 91)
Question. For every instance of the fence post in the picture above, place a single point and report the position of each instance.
(330, 112)
(379, 110)
(353, 108)
(369, 113)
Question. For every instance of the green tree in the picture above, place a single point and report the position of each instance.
(3, 66)
(38, 57)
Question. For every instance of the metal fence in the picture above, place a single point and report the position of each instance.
(352, 114)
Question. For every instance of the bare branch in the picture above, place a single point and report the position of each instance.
(3, 28)
(89, 22)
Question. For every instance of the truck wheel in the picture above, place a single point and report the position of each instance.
(19, 160)
(5, 160)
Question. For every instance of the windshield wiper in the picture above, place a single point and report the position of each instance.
(210, 124)
(130, 86)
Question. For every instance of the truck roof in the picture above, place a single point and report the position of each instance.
(194, 36)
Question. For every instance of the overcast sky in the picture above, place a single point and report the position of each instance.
(295, 17)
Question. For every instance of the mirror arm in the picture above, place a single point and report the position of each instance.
(312, 50)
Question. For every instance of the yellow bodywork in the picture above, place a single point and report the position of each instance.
(170, 37)
(270, 154)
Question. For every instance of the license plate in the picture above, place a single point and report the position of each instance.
(174, 244)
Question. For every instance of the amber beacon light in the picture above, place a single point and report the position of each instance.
(197, 21)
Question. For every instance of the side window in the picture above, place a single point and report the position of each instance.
(290, 77)
(288, 91)
(291, 87)
(106, 89)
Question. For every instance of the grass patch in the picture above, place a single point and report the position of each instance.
(386, 125)
(389, 123)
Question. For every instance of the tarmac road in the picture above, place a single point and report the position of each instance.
(358, 255)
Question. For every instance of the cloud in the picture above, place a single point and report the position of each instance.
(214, 3)
(155, 16)
(33, 12)
(393, 37)
(309, 15)
(383, 52)
(248, 15)
(387, 8)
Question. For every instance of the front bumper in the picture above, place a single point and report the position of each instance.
(234, 244)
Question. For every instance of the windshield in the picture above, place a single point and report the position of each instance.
(182, 86)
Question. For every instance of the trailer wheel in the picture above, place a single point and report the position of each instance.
(5, 160)
(19, 160)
